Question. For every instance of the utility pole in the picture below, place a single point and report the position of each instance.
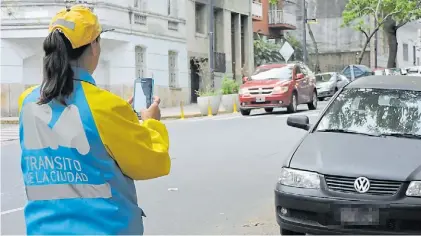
(376, 38)
(304, 32)
(211, 42)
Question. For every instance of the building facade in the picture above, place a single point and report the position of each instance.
(233, 40)
(273, 20)
(149, 40)
(409, 45)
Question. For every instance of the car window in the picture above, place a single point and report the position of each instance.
(324, 77)
(374, 111)
(282, 73)
(297, 70)
(304, 70)
(347, 72)
(358, 72)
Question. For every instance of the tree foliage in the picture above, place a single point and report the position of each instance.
(266, 52)
(358, 12)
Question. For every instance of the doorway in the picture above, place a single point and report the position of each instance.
(194, 80)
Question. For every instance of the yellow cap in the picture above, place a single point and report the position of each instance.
(78, 23)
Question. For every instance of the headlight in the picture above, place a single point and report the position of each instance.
(244, 91)
(414, 189)
(279, 89)
(299, 179)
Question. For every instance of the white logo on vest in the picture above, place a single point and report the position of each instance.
(67, 132)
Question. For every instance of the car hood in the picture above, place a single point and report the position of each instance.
(259, 83)
(353, 155)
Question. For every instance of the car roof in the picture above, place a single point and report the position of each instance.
(401, 82)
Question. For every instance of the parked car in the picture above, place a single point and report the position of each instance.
(329, 83)
(353, 72)
(373, 186)
(279, 85)
(414, 71)
(393, 71)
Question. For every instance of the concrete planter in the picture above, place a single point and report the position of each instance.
(214, 101)
(228, 102)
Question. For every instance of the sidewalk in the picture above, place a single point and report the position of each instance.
(190, 111)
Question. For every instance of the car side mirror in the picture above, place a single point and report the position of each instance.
(245, 79)
(299, 121)
(300, 76)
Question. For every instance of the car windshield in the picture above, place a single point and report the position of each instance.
(320, 78)
(374, 112)
(281, 73)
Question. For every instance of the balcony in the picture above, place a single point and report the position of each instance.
(257, 10)
(282, 20)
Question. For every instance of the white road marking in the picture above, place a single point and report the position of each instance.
(9, 134)
(12, 211)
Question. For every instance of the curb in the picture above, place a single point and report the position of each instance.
(171, 117)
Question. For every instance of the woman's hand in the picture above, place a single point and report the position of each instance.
(130, 100)
(153, 112)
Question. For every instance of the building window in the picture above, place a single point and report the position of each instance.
(405, 52)
(140, 54)
(172, 8)
(200, 14)
(172, 69)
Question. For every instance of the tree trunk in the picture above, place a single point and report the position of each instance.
(316, 49)
(367, 41)
(361, 56)
(391, 29)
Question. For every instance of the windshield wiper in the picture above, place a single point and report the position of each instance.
(345, 131)
(403, 135)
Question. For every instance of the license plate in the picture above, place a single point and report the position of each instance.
(360, 216)
(260, 99)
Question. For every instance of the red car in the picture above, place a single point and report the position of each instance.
(279, 85)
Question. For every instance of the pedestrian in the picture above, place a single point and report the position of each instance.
(82, 146)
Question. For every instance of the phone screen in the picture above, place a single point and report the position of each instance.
(143, 93)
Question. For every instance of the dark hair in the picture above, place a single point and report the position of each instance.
(57, 73)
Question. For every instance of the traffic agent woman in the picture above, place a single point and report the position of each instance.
(83, 147)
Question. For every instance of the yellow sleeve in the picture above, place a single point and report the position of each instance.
(24, 95)
(141, 150)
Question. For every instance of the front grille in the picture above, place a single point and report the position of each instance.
(266, 90)
(377, 187)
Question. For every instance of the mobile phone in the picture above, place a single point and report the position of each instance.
(143, 94)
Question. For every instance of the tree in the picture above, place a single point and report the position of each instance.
(266, 52)
(410, 11)
(358, 12)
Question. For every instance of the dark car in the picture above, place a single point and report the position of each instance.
(353, 72)
(358, 168)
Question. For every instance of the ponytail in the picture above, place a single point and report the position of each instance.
(57, 73)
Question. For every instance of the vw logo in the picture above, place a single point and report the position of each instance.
(362, 184)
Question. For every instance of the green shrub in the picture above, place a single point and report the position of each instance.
(229, 86)
(207, 91)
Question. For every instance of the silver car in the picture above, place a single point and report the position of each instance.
(328, 83)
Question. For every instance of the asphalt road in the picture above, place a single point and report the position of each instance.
(224, 169)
